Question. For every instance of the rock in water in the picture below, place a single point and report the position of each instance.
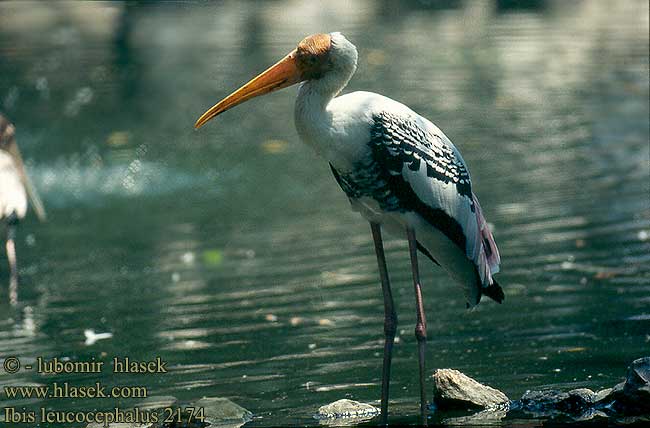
(221, 412)
(490, 417)
(346, 412)
(454, 390)
(118, 425)
(637, 384)
(632, 397)
(549, 402)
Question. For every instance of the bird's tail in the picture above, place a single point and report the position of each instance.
(488, 256)
(494, 292)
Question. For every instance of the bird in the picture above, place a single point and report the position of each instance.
(398, 170)
(15, 187)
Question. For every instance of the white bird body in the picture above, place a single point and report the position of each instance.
(13, 196)
(399, 171)
(340, 129)
(15, 188)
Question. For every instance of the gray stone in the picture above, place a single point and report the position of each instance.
(541, 401)
(454, 390)
(603, 395)
(492, 416)
(583, 396)
(223, 413)
(574, 402)
(632, 397)
(637, 383)
(591, 414)
(346, 412)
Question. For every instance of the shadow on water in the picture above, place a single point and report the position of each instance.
(232, 254)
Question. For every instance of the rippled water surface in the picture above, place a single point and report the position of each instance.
(232, 254)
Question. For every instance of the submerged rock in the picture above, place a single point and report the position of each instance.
(574, 402)
(222, 413)
(346, 412)
(119, 425)
(492, 416)
(603, 394)
(217, 413)
(454, 390)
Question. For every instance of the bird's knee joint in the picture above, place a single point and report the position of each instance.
(421, 332)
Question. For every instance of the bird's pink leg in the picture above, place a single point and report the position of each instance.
(13, 267)
(390, 320)
(421, 323)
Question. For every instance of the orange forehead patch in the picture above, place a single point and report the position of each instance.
(316, 44)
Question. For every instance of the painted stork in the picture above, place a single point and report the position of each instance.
(15, 185)
(398, 170)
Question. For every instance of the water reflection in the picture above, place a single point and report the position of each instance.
(233, 254)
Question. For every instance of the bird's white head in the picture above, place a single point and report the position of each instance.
(344, 53)
(340, 65)
(327, 57)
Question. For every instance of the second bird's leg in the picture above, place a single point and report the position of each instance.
(390, 319)
(421, 324)
(13, 266)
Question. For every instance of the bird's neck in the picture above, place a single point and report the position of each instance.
(313, 119)
(311, 105)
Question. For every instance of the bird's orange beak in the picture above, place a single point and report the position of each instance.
(284, 73)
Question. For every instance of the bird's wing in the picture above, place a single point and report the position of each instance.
(426, 174)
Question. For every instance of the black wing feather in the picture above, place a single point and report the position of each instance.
(393, 143)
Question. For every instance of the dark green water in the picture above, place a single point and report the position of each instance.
(232, 254)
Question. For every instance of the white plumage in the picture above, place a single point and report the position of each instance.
(13, 196)
(398, 170)
(339, 129)
(15, 188)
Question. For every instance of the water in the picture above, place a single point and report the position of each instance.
(232, 254)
